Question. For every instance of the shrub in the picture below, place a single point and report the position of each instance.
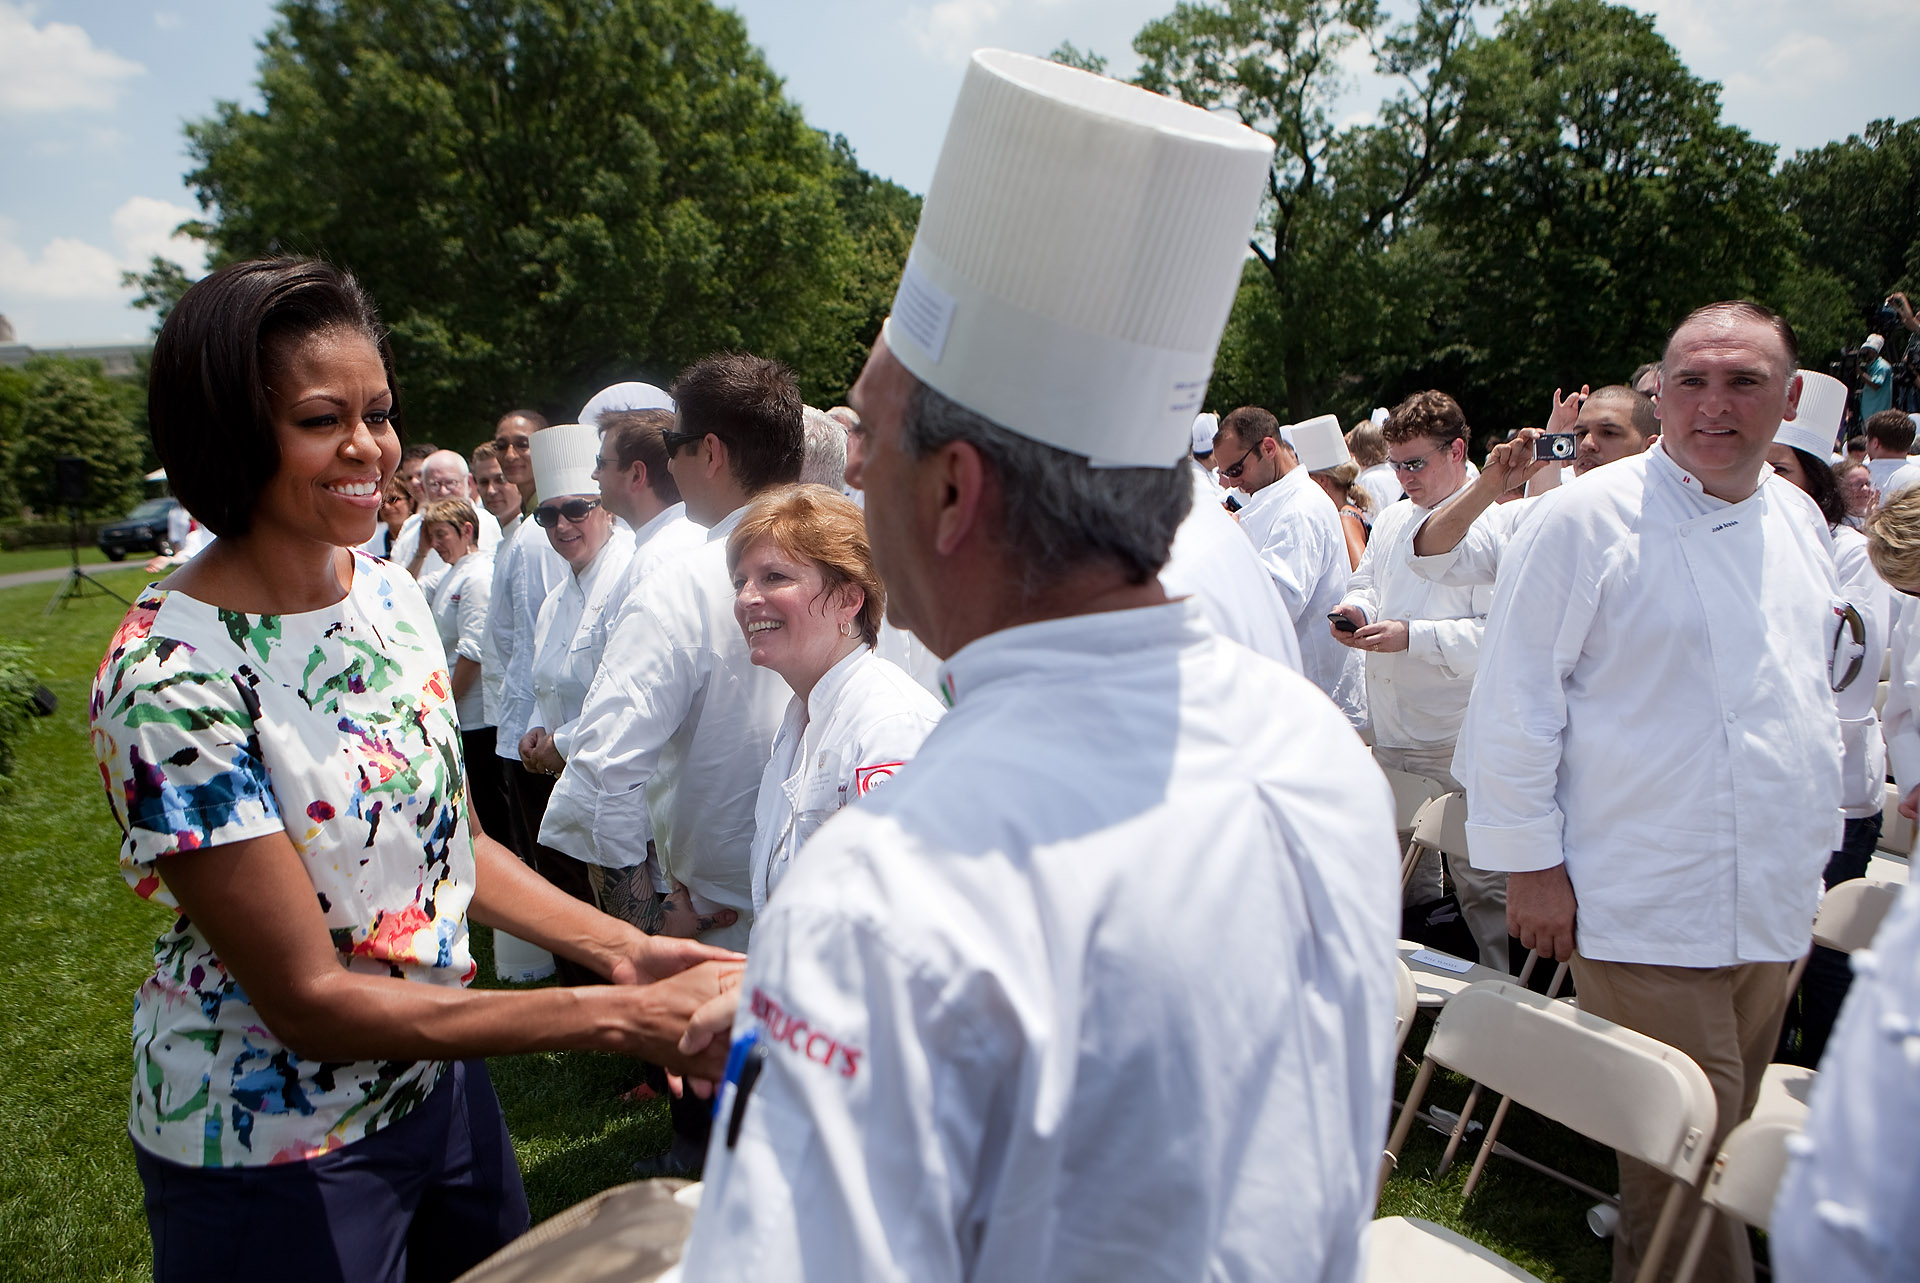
(18, 682)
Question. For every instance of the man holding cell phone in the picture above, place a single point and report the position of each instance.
(1421, 640)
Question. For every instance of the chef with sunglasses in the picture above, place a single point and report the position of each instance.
(570, 631)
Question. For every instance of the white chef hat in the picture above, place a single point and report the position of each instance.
(1380, 416)
(564, 457)
(1079, 249)
(624, 396)
(1875, 342)
(1205, 428)
(1823, 399)
(1318, 443)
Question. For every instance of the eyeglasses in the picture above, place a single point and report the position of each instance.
(1240, 465)
(1413, 465)
(603, 464)
(678, 441)
(575, 510)
(504, 444)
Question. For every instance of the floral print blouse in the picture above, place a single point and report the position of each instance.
(337, 727)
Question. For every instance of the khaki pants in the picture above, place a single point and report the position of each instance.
(1482, 893)
(1727, 1019)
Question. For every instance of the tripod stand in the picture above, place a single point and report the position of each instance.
(78, 581)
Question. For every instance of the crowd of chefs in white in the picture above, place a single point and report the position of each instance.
(1066, 880)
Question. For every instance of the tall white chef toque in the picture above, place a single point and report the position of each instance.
(1823, 399)
(1078, 252)
(1318, 443)
(564, 459)
(624, 396)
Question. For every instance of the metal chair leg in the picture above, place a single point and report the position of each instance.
(1486, 1148)
(1403, 1126)
(1459, 1130)
(1696, 1245)
(1677, 1196)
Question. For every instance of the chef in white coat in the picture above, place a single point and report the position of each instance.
(809, 603)
(1651, 750)
(1296, 530)
(967, 978)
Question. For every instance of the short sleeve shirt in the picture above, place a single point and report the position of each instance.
(336, 727)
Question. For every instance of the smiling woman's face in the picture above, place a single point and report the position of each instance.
(331, 409)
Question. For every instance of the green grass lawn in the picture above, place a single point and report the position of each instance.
(12, 563)
(76, 943)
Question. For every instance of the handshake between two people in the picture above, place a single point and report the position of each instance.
(691, 991)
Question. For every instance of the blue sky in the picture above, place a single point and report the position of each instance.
(93, 94)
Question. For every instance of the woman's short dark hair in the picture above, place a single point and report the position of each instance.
(208, 406)
(1823, 487)
(753, 406)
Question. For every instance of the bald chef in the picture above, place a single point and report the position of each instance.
(1095, 987)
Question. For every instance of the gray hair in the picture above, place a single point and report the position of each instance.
(1059, 512)
(825, 462)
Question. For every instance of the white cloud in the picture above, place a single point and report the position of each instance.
(69, 269)
(56, 67)
(953, 29)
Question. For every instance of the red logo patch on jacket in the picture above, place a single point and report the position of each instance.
(865, 777)
(792, 1031)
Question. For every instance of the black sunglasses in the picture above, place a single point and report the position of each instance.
(575, 510)
(677, 441)
(1233, 472)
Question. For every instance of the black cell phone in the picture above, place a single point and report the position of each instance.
(1341, 624)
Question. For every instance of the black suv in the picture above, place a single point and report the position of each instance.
(144, 529)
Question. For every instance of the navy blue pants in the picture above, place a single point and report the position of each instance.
(425, 1199)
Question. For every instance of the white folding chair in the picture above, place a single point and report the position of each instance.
(1406, 1004)
(1620, 1088)
(1439, 826)
(1411, 794)
(1746, 1172)
(1885, 868)
(1896, 830)
(1850, 913)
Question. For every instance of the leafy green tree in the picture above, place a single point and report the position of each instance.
(15, 386)
(1858, 202)
(1071, 55)
(542, 195)
(71, 408)
(1597, 197)
(1338, 197)
(160, 286)
(880, 217)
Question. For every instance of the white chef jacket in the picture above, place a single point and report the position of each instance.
(999, 1050)
(460, 613)
(407, 543)
(1383, 483)
(1882, 471)
(672, 738)
(1663, 721)
(1475, 560)
(570, 636)
(525, 571)
(1417, 697)
(493, 682)
(1296, 531)
(1864, 761)
(668, 536)
(1845, 1210)
(1214, 563)
(863, 720)
(899, 647)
